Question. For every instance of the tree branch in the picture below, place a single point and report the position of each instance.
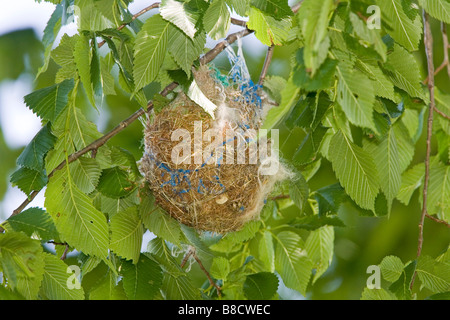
(441, 113)
(214, 52)
(445, 62)
(446, 46)
(428, 41)
(238, 22)
(438, 220)
(134, 17)
(266, 65)
(211, 281)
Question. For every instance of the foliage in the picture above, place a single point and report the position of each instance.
(354, 101)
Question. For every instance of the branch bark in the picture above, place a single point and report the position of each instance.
(445, 223)
(202, 267)
(439, 112)
(134, 17)
(428, 41)
(266, 65)
(446, 61)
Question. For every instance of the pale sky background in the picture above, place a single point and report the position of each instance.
(18, 123)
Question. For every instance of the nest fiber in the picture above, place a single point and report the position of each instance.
(211, 194)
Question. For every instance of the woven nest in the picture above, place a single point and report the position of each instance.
(211, 196)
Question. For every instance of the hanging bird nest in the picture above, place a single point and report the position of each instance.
(217, 193)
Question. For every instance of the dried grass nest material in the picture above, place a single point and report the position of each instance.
(217, 197)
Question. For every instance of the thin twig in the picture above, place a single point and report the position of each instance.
(438, 220)
(134, 17)
(186, 257)
(438, 69)
(66, 249)
(428, 41)
(211, 281)
(446, 61)
(446, 46)
(266, 65)
(214, 52)
(238, 22)
(441, 113)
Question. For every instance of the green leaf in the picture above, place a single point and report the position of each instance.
(266, 251)
(299, 191)
(309, 148)
(276, 8)
(411, 180)
(439, 9)
(32, 156)
(108, 289)
(260, 286)
(79, 223)
(106, 64)
(149, 50)
(64, 57)
(220, 268)
(50, 33)
(268, 30)
(320, 247)
(439, 296)
(34, 220)
(292, 262)
(370, 36)
(434, 275)
(114, 183)
(83, 59)
(383, 86)
(143, 280)
(179, 287)
(21, 260)
(355, 169)
(274, 86)
(162, 225)
(391, 268)
(55, 281)
(313, 17)
(329, 199)
(185, 50)
(176, 284)
(180, 15)
(126, 234)
(232, 241)
(28, 180)
(403, 29)
(402, 287)
(355, 94)
(47, 103)
(217, 19)
(439, 191)
(386, 158)
(86, 173)
(90, 17)
(403, 70)
(241, 7)
(377, 294)
(289, 97)
(320, 80)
